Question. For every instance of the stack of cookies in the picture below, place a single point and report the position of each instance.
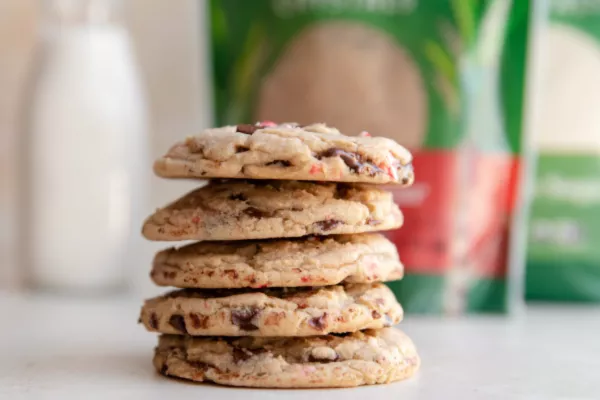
(283, 287)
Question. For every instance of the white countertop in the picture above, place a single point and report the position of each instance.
(61, 348)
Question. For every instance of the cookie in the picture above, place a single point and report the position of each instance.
(238, 209)
(306, 261)
(273, 311)
(287, 151)
(360, 358)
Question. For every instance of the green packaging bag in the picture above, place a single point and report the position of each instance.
(563, 257)
(410, 70)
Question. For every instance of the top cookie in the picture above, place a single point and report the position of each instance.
(287, 151)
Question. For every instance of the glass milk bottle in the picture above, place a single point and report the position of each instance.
(85, 153)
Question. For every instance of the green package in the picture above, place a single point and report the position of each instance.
(563, 258)
(411, 70)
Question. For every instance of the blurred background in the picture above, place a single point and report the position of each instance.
(495, 98)
(160, 47)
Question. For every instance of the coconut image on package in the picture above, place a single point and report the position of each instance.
(563, 257)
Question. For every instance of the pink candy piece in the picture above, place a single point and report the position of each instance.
(393, 173)
(267, 124)
(308, 369)
(364, 134)
(316, 168)
(390, 169)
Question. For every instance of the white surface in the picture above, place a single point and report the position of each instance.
(59, 348)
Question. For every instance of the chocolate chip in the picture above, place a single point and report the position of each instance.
(247, 128)
(240, 355)
(256, 213)
(153, 321)
(238, 196)
(312, 358)
(198, 365)
(341, 191)
(340, 334)
(241, 149)
(199, 321)
(169, 274)
(260, 350)
(280, 163)
(178, 322)
(375, 314)
(319, 323)
(231, 273)
(352, 160)
(405, 180)
(328, 224)
(242, 317)
(164, 369)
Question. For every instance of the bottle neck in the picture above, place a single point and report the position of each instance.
(63, 13)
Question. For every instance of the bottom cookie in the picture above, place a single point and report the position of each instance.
(354, 359)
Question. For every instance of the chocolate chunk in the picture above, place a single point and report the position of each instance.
(312, 358)
(256, 213)
(352, 160)
(247, 128)
(319, 323)
(241, 149)
(199, 321)
(242, 317)
(341, 191)
(280, 163)
(238, 196)
(198, 365)
(375, 314)
(231, 273)
(340, 334)
(405, 180)
(153, 321)
(169, 274)
(178, 322)
(328, 224)
(240, 355)
(164, 369)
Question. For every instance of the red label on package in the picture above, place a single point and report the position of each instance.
(457, 213)
(424, 241)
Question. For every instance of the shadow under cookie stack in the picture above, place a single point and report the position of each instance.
(283, 287)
